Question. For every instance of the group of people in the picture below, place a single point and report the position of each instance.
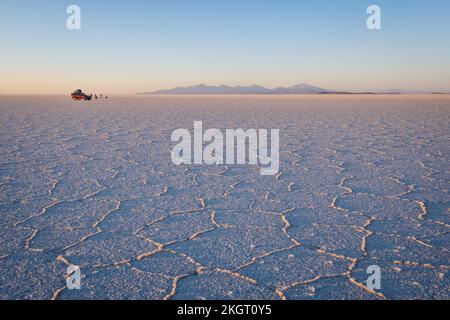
(101, 96)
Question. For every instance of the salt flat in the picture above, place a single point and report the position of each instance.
(363, 181)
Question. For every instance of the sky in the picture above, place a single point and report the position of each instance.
(133, 46)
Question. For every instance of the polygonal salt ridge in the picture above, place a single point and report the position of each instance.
(231, 247)
(120, 282)
(406, 279)
(108, 249)
(220, 284)
(179, 227)
(379, 207)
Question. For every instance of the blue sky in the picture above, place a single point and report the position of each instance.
(133, 46)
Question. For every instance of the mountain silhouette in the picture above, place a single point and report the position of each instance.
(301, 88)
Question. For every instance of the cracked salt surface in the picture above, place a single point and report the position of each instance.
(363, 181)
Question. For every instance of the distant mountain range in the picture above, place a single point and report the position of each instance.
(301, 88)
